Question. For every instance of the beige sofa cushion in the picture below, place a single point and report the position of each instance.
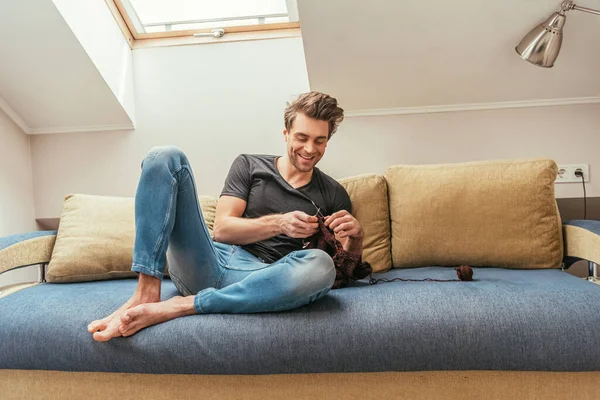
(491, 213)
(368, 194)
(96, 235)
(208, 205)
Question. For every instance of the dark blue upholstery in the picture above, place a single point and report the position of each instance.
(544, 320)
(10, 240)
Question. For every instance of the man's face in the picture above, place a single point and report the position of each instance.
(306, 142)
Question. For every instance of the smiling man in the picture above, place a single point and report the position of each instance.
(267, 208)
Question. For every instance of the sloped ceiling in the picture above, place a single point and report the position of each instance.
(47, 80)
(382, 54)
(377, 54)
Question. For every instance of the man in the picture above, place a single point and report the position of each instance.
(256, 261)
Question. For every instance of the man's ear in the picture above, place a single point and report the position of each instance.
(285, 134)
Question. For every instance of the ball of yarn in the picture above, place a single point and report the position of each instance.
(464, 272)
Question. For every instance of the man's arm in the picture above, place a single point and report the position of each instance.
(231, 228)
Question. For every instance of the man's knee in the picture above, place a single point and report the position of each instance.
(315, 271)
(169, 155)
(323, 265)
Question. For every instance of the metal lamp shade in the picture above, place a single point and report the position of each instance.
(542, 45)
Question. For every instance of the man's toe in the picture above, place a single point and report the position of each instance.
(103, 336)
(126, 318)
(129, 332)
(133, 313)
(123, 328)
(97, 325)
(130, 329)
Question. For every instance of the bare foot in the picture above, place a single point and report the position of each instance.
(108, 327)
(145, 315)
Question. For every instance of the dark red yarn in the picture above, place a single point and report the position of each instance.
(464, 273)
(348, 266)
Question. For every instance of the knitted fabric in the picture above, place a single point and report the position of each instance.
(348, 266)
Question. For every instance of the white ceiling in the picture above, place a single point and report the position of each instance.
(384, 54)
(46, 77)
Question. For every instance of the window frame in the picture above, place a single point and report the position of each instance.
(232, 33)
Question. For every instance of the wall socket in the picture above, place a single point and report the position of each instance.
(566, 173)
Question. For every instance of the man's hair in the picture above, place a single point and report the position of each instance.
(315, 105)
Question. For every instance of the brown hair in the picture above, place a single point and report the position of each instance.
(315, 105)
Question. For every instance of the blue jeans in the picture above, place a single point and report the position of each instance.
(224, 278)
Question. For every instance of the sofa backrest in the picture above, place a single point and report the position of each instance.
(491, 213)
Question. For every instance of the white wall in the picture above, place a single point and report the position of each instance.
(16, 191)
(567, 134)
(94, 25)
(216, 101)
(213, 101)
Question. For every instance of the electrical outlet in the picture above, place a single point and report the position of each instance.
(566, 173)
(563, 174)
(585, 168)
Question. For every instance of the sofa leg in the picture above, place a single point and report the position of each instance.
(42, 273)
(592, 271)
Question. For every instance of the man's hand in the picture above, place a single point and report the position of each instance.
(347, 230)
(297, 224)
(344, 225)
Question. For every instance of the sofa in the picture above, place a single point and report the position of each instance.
(522, 328)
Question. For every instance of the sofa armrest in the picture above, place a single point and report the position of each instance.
(26, 249)
(582, 241)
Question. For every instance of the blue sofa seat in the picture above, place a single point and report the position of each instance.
(503, 320)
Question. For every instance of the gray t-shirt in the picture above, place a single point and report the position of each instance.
(256, 179)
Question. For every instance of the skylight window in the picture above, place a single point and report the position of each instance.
(163, 18)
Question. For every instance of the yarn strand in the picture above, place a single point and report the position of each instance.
(464, 273)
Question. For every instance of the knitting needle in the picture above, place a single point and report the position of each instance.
(318, 209)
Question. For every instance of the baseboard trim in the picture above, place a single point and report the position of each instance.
(473, 106)
(81, 129)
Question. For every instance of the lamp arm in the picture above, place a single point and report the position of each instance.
(569, 5)
(585, 9)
